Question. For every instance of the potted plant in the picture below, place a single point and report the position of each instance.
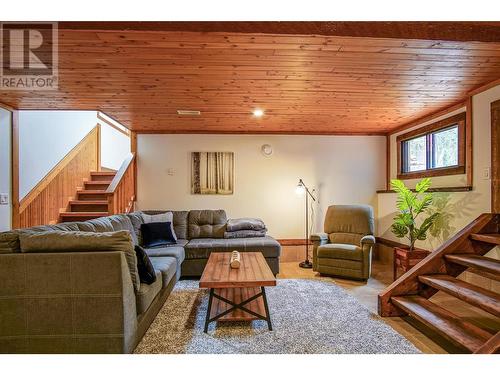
(411, 206)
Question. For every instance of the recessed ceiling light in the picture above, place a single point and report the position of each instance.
(257, 112)
(185, 112)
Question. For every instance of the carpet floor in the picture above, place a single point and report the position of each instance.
(308, 316)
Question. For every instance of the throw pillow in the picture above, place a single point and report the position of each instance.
(160, 218)
(145, 267)
(157, 234)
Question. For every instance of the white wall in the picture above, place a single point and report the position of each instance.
(45, 137)
(344, 170)
(5, 169)
(463, 206)
(115, 146)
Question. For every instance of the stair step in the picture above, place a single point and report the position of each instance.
(493, 238)
(447, 324)
(102, 176)
(478, 263)
(80, 216)
(491, 347)
(91, 195)
(88, 205)
(474, 295)
(96, 185)
(103, 173)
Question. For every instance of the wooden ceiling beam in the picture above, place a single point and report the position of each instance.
(452, 31)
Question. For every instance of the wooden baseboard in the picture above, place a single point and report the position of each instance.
(292, 242)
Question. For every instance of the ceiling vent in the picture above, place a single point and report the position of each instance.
(183, 112)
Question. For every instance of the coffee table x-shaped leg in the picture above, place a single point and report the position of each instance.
(238, 306)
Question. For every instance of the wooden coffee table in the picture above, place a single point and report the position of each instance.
(237, 294)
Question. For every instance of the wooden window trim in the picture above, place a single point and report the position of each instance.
(460, 121)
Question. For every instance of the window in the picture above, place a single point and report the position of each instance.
(433, 150)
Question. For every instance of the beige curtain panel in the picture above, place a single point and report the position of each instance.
(212, 173)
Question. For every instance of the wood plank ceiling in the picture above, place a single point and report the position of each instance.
(304, 83)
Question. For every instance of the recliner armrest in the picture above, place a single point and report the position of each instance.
(317, 240)
(369, 239)
(319, 237)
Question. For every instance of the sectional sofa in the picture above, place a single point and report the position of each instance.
(89, 300)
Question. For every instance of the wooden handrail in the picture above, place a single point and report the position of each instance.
(408, 284)
(121, 191)
(119, 175)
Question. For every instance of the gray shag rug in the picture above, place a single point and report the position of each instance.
(308, 316)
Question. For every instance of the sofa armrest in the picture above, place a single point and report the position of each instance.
(317, 240)
(98, 285)
(368, 239)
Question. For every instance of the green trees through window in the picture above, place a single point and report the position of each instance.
(438, 149)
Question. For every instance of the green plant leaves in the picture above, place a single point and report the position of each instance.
(410, 206)
(422, 204)
(423, 185)
(399, 230)
(405, 198)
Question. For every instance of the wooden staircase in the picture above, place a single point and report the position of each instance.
(409, 295)
(91, 200)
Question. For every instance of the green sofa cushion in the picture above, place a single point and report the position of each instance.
(62, 241)
(147, 293)
(340, 251)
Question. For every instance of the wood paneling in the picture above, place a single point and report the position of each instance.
(292, 242)
(460, 31)
(44, 203)
(439, 113)
(121, 192)
(495, 157)
(306, 84)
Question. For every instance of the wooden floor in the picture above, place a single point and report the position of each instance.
(367, 293)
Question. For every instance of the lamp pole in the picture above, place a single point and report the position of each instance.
(307, 263)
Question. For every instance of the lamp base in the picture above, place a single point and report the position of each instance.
(305, 264)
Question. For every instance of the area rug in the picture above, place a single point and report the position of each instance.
(308, 316)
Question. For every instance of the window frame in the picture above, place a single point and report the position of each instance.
(427, 131)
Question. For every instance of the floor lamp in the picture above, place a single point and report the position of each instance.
(302, 189)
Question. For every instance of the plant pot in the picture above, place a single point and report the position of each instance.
(404, 259)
